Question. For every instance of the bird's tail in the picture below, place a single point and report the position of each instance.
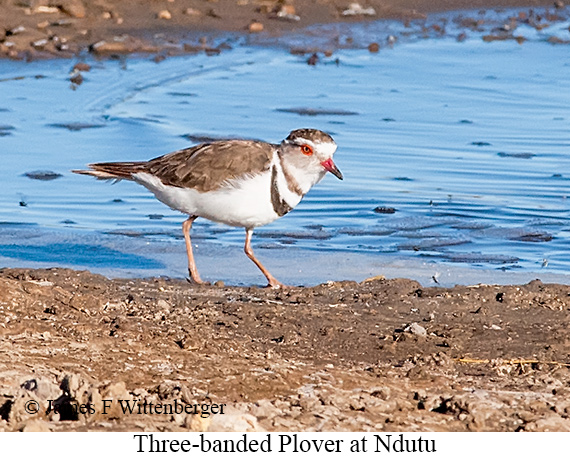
(113, 170)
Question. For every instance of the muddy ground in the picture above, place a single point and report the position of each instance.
(382, 355)
(32, 29)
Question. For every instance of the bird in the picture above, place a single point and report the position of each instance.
(237, 182)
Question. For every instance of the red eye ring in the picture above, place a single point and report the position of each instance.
(307, 150)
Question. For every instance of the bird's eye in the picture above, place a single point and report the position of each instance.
(307, 150)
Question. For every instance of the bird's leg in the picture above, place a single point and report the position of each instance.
(186, 226)
(272, 282)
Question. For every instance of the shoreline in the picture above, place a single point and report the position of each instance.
(136, 259)
(71, 28)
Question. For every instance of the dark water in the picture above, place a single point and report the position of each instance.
(453, 153)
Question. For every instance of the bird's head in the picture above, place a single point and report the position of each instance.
(311, 150)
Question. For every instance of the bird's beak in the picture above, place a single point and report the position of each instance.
(330, 166)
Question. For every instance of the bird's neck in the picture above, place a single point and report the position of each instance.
(299, 180)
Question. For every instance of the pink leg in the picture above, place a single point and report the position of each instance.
(272, 282)
(186, 226)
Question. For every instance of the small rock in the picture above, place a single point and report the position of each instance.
(16, 30)
(550, 423)
(39, 44)
(255, 27)
(286, 13)
(416, 329)
(164, 14)
(163, 304)
(81, 66)
(70, 385)
(115, 392)
(265, 409)
(356, 9)
(234, 421)
(196, 423)
(77, 79)
(46, 390)
(384, 210)
(374, 279)
(192, 12)
(556, 40)
(373, 47)
(73, 8)
(44, 9)
(110, 47)
(43, 175)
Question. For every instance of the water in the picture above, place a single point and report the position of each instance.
(468, 143)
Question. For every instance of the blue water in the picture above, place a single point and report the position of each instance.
(467, 141)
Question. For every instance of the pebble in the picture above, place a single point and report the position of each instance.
(77, 79)
(384, 210)
(73, 8)
(234, 421)
(115, 391)
(104, 47)
(81, 66)
(196, 423)
(164, 14)
(356, 9)
(163, 304)
(287, 13)
(44, 389)
(43, 9)
(416, 329)
(255, 27)
(40, 44)
(43, 175)
(192, 12)
(16, 30)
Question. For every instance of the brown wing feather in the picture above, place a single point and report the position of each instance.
(204, 167)
(208, 166)
(113, 170)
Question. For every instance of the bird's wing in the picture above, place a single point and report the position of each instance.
(209, 166)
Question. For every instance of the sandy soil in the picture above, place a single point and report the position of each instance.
(31, 29)
(382, 355)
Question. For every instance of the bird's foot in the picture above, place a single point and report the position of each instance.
(274, 284)
(198, 283)
(195, 279)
